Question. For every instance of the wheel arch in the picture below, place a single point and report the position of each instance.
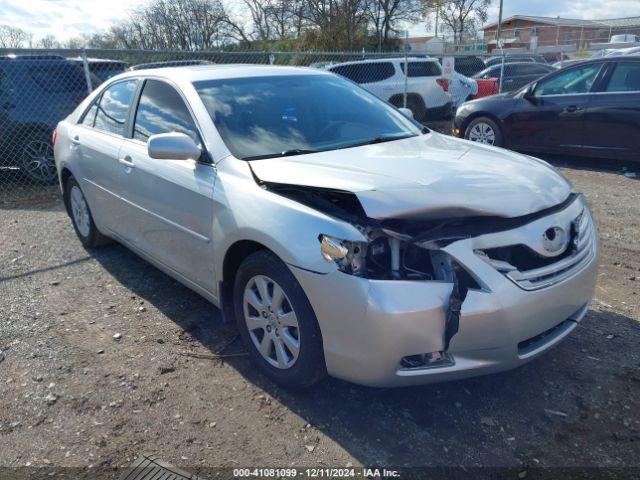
(233, 258)
(398, 99)
(65, 175)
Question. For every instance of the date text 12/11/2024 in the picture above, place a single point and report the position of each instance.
(369, 473)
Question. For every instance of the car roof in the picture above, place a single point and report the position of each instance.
(528, 64)
(384, 60)
(197, 73)
(614, 58)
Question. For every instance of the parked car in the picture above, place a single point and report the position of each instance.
(515, 58)
(468, 65)
(426, 98)
(591, 108)
(36, 92)
(623, 38)
(486, 87)
(515, 75)
(624, 51)
(102, 68)
(340, 235)
(169, 63)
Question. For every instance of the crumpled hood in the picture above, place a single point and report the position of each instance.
(426, 177)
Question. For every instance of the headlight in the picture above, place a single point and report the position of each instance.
(387, 257)
(347, 255)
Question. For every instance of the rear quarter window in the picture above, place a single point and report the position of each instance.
(366, 72)
(58, 78)
(422, 69)
(625, 78)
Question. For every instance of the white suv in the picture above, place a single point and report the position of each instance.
(426, 89)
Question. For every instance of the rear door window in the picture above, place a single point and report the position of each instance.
(58, 78)
(573, 81)
(422, 69)
(366, 72)
(625, 78)
(162, 110)
(113, 107)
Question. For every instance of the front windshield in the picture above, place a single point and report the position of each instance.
(263, 117)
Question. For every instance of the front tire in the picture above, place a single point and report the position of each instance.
(484, 130)
(277, 324)
(81, 216)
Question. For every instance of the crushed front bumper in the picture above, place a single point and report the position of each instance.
(368, 326)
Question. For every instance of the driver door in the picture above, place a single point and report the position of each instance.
(172, 199)
(551, 117)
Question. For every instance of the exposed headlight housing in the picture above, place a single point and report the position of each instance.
(347, 255)
(386, 257)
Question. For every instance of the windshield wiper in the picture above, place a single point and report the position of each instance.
(378, 139)
(286, 153)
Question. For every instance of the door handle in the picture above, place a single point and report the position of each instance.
(572, 108)
(75, 140)
(127, 161)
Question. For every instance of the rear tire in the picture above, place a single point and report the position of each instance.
(484, 130)
(277, 324)
(81, 217)
(36, 159)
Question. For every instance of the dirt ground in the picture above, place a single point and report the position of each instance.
(104, 357)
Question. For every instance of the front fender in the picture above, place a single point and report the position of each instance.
(246, 211)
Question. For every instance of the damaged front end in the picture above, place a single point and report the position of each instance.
(392, 250)
(388, 255)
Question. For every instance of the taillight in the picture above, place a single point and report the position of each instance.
(54, 137)
(444, 83)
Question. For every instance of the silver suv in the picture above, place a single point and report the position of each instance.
(341, 236)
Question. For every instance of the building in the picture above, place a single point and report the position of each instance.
(530, 32)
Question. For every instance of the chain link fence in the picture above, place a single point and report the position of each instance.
(38, 88)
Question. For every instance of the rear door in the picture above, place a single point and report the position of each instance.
(97, 139)
(612, 118)
(552, 118)
(6, 105)
(173, 216)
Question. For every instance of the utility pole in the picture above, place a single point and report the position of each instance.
(499, 31)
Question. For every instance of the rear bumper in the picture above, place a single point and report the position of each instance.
(368, 326)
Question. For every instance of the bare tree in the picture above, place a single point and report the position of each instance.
(385, 15)
(48, 41)
(13, 37)
(463, 17)
(176, 24)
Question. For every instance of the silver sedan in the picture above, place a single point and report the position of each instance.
(343, 237)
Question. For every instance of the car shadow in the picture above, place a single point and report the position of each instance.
(539, 414)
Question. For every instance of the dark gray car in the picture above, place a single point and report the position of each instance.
(515, 75)
(36, 92)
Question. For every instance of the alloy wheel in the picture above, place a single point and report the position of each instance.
(271, 321)
(38, 161)
(80, 211)
(482, 133)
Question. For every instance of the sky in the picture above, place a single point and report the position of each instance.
(69, 18)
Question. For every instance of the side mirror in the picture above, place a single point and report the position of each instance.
(173, 146)
(406, 112)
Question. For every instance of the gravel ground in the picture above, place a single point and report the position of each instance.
(105, 357)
